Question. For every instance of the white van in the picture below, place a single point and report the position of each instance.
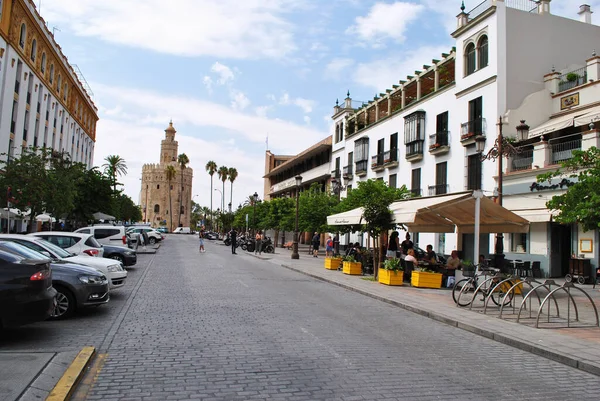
(182, 230)
(108, 235)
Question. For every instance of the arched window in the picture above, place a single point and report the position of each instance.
(182, 211)
(33, 49)
(470, 62)
(482, 48)
(65, 92)
(23, 36)
(158, 187)
(156, 208)
(43, 66)
(58, 83)
(51, 73)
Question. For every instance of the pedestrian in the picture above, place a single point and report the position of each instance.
(258, 239)
(329, 247)
(201, 239)
(233, 236)
(145, 238)
(316, 240)
(393, 246)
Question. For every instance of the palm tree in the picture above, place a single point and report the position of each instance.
(211, 167)
(223, 171)
(183, 160)
(171, 173)
(232, 173)
(115, 165)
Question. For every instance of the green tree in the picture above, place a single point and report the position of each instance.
(126, 209)
(223, 172)
(280, 215)
(64, 179)
(581, 203)
(232, 175)
(183, 161)
(170, 173)
(115, 166)
(314, 207)
(94, 194)
(211, 168)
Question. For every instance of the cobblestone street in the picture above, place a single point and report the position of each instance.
(217, 326)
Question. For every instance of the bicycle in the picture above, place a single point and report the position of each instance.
(496, 287)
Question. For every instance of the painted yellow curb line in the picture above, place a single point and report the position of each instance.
(65, 386)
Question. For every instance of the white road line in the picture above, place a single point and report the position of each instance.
(242, 283)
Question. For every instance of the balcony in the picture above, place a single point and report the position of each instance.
(522, 161)
(439, 189)
(471, 130)
(414, 151)
(334, 174)
(572, 79)
(347, 172)
(416, 192)
(361, 168)
(377, 162)
(564, 150)
(439, 143)
(390, 158)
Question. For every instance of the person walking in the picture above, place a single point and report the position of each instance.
(329, 247)
(393, 246)
(316, 240)
(233, 236)
(201, 239)
(258, 239)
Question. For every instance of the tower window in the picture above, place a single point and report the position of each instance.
(156, 208)
(483, 52)
(33, 49)
(158, 187)
(23, 35)
(470, 62)
(43, 66)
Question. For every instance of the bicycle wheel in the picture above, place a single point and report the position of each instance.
(500, 290)
(465, 298)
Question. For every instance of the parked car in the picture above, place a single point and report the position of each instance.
(211, 235)
(153, 235)
(182, 230)
(127, 257)
(110, 268)
(107, 234)
(75, 243)
(26, 292)
(77, 286)
(163, 230)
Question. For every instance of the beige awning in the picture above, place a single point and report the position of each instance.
(349, 218)
(445, 213)
(535, 215)
(554, 124)
(592, 115)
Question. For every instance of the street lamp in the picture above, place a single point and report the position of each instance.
(295, 254)
(255, 197)
(337, 187)
(502, 148)
(219, 191)
(218, 214)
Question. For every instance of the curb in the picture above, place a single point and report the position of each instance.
(65, 386)
(510, 341)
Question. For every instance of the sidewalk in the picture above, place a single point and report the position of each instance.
(575, 347)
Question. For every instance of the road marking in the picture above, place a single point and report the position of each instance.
(89, 378)
(242, 283)
(69, 379)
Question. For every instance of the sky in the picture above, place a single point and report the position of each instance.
(231, 74)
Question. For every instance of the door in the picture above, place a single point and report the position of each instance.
(380, 151)
(476, 116)
(560, 250)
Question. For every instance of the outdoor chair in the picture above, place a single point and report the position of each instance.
(408, 268)
(536, 269)
(526, 269)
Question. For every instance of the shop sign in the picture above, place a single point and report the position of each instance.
(564, 183)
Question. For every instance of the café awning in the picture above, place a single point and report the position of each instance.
(349, 218)
(447, 213)
(592, 115)
(535, 215)
(554, 124)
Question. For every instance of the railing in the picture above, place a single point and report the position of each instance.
(414, 148)
(362, 166)
(522, 161)
(472, 128)
(390, 156)
(523, 5)
(414, 192)
(347, 171)
(439, 189)
(564, 150)
(334, 173)
(572, 79)
(439, 139)
(375, 161)
(479, 9)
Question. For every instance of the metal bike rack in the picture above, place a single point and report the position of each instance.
(529, 281)
(547, 284)
(510, 280)
(479, 289)
(567, 288)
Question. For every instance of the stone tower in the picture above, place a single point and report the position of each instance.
(158, 197)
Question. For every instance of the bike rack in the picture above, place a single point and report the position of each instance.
(531, 289)
(479, 289)
(547, 284)
(506, 280)
(567, 288)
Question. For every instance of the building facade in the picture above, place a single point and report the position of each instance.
(422, 132)
(44, 100)
(159, 197)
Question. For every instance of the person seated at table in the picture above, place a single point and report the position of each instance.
(483, 263)
(430, 255)
(411, 257)
(453, 261)
(355, 251)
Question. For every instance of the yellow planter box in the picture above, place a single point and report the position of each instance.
(426, 280)
(390, 277)
(354, 268)
(332, 263)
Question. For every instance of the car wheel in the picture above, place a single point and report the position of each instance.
(65, 304)
(152, 241)
(118, 257)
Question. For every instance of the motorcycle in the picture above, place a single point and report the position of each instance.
(243, 242)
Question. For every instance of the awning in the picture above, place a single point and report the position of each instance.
(535, 215)
(592, 115)
(103, 216)
(554, 124)
(10, 213)
(349, 218)
(445, 213)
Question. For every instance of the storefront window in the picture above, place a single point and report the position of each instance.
(519, 242)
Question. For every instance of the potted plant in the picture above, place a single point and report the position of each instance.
(333, 262)
(572, 77)
(425, 278)
(392, 272)
(351, 266)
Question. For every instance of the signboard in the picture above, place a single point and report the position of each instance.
(569, 101)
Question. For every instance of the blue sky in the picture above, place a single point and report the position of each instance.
(232, 72)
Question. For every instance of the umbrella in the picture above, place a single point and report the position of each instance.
(44, 217)
(103, 216)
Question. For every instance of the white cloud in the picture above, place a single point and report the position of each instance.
(306, 105)
(239, 101)
(385, 21)
(307, 120)
(284, 99)
(246, 29)
(262, 111)
(383, 73)
(225, 73)
(336, 67)
(208, 82)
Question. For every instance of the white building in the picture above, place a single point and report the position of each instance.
(502, 51)
(44, 100)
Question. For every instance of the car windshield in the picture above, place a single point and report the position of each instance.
(23, 251)
(61, 253)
